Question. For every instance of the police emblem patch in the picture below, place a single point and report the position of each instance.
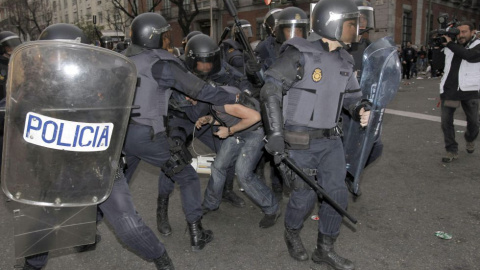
(297, 16)
(317, 75)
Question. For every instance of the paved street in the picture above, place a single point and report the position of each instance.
(408, 195)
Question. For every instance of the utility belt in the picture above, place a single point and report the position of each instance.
(298, 138)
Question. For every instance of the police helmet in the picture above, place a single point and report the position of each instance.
(189, 36)
(147, 30)
(8, 39)
(63, 31)
(289, 22)
(367, 16)
(246, 27)
(328, 19)
(270, 20)
(106, 42)
(202, 48)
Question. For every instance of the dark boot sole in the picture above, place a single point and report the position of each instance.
(317, 260)
(202, 246)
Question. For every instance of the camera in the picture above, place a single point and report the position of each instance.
(446, 29)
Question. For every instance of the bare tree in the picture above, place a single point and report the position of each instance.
(30, 17)
(134, 7)
(116, 21)
(185, 14)
(17, 16)
(39, 15)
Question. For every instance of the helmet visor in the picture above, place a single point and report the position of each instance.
(347, 26)
(247, 30)
(296, 28)
(204, 64)
(367, 18)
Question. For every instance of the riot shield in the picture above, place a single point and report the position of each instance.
(381, 77)
(39, 229)
(67, 111)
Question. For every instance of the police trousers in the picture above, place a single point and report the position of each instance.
(141, 145)
(327, 158)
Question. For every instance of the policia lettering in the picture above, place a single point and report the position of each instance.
(66, 135)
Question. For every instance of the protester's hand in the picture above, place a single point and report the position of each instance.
(222, 132)
(203, 121)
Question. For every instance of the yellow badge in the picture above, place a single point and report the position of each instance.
(297, 16)
(317, 75)
(231, 50)
(2, 78)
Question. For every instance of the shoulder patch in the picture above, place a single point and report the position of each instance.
(231, 50)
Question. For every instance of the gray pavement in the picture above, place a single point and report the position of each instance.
(407, 195)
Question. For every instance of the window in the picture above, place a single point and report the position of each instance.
(186, 5)
(167, 9)
(65, 3)
(100, 17)
(66, 18)
(407, 27)
(149, 4)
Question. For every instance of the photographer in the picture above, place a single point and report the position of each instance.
(459, 86)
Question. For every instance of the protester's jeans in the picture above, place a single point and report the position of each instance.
(243, 150)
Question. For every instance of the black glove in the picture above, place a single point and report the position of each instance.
(253, 67)
(276, 147)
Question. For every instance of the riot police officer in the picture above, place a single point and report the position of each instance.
(267, 50)
(366, 23)
(233, 50)
(289, 23)
(118, 209)
(316, 76)
(146, 138)
(183, 112)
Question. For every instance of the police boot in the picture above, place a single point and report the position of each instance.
(163, 262)
(230, 196)
(163, 225)
(295, 245)
(324, 253)
(198, 236)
